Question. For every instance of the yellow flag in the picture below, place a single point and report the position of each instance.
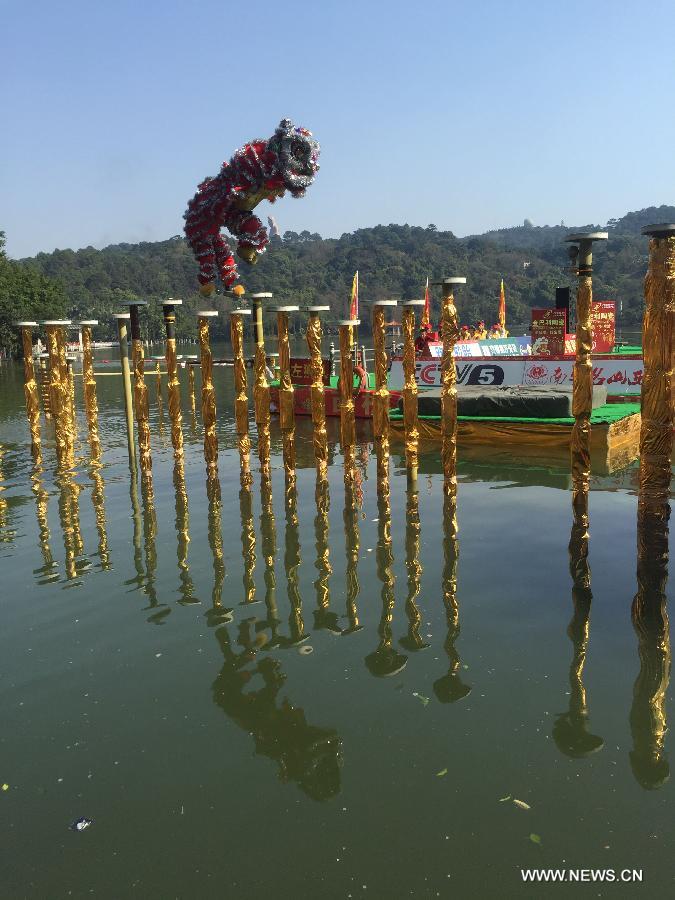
(354, 304)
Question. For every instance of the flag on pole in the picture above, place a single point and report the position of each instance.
(354, 305)
(502, 306)
(426, 315)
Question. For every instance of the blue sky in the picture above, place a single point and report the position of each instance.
(469, 115)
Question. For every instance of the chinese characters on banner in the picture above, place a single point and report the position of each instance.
(301, 370)
(549, 327)
(603, 319)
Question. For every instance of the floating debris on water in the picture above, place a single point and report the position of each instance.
(521, 804)
(81, 824)
(306, 650)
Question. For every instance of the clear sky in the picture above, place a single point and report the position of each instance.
(470, 115)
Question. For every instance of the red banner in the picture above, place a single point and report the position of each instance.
(549, 327)
(603, 317)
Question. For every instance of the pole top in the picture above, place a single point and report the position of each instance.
(56, 322)
(586, 236)
(240, 312)
(285, 309)
(385, 302)
(88, 322)
(26, 324)
(349, 322)
(120, 316)
(454, 279)
(206, 313)
(662, 230)
(414, 303)
(263, 296)
(137, 303)
(172, 302)
(316, 309)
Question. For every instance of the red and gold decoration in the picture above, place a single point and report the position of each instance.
(260, 170)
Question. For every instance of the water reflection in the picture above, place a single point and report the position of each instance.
(48, 571)
(324, 617)
(76, 563)
(186, 588)
(350, 516)
(648, 722)
(217, 613)
(450, 688)
(247, 689)
(570, 731)
(296, 623)
(247, 538)
(413, 640)
(98, 502)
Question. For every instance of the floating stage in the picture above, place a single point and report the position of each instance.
(615, 428)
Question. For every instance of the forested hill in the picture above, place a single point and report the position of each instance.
(393, 261)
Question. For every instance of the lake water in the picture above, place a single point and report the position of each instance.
(168, 693)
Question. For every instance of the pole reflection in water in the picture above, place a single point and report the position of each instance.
(98, 502)
(324, 617)
(145, 549)
(247, 538)
(450, 688)
(292, 561)
(305, 754)
(48, 571)
(5, 535)
(158, 391)
(218, 613)
(352, 543)
(385, 660)
(69, 517)
(186, 589)
(268, 544)
(413, 640)
(648, 722)
(570, 731)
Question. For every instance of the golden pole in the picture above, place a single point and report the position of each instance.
(89, 383)
(410, 421)
(158, 384)
(347, 420)
(173, 387)
(58, 392)
(381, 394)
(261, 389)
(208, 393)
(656, 430)
(286, 393)
(241, 394)
(450, 688)
(317, 392)
(30, 388)
(44, 386)
(450, 331)
(191, 388)
(122, 335)
(140, 390)
(582, 398)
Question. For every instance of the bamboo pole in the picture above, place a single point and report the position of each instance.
(381, 394)
(208, 392)
(261, 389)
(89, 384)
(241, 392)
(450, 332)
(286, 393)
(173, 387)
(582, 398)
(30, 389)
(347, 419)
(320, 436)
(656, 431)
(410, 420)
(122, 335)
(140, 390)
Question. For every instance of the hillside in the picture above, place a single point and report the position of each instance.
(393, 261)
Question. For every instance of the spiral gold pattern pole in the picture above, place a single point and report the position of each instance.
(57, 391)
(261, 388)
(347, 419)
(241, 392)
(320, 435)
(30, 388)
(656, 431)
(141, 403)
(67, 400)
(247, 540)
(89, 386)
(208, 393)
(381, 393)
(450, 332)
(582, 397)
(286, 394)
(123, 338)
(410, 420)
(173, 387)
(44, 386)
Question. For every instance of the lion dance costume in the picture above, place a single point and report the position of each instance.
(261, 170)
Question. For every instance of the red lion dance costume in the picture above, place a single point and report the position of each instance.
(261, 170)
